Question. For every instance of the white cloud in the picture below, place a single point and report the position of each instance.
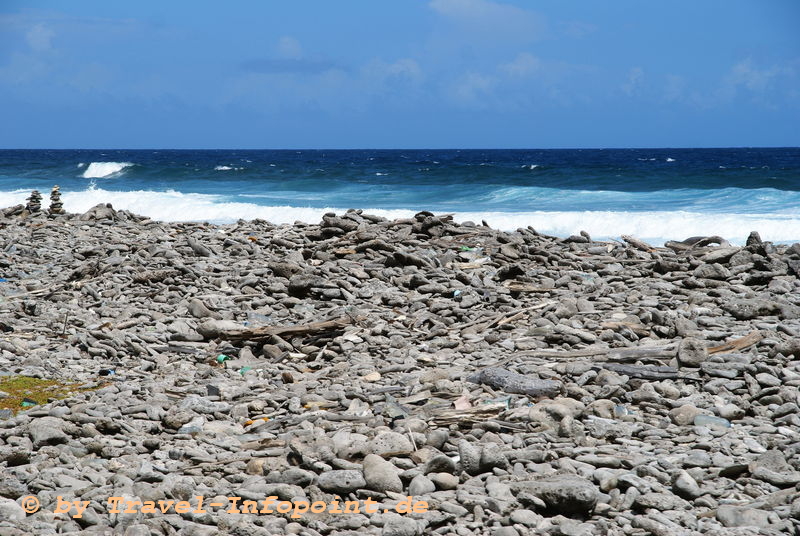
(501, 21)
(674, 87)
(473, 88)
(404, 69)
(634, 82)
(578, 29)
(475, 9)
(290, 48)
(748, 75)
(525, 64)
(39, 38)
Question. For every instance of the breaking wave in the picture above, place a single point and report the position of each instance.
(102, 170)
(653, 226)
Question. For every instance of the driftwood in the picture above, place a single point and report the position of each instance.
(520, 286)
(153, 276)
(643, 352)
(643, 372)
(467, 417)
(638, 244)
(608, 354)
(502, 318)
(265, 332)
(737, 344)
(638, 329)
(511, 382)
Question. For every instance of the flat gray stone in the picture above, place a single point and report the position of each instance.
(342, 481)
(564, 494)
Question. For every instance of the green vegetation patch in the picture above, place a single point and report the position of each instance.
(22, 392)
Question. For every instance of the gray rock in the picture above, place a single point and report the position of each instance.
(102, 211)
(747, 309)
(529, 518)
(444, 481)
(198, 309)
(397, 525)
(11, 511)
(660, 501)
(470, 457)
(341, 481)
(564, 494)
(10, 486)
(712, 271)
(772, 467)
(492, 456)
(692, 352)
(684, 485)
(421, 485)
(734, 516)
(381, 475)
(684, 415)
(47, 431)
(440, 464)
(551, 413)
(211, 328)
(505, 531)
(388, 444)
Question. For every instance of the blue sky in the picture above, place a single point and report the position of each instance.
(404, 74)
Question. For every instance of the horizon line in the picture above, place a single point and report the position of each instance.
(398, 148)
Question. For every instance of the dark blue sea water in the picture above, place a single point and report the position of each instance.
(655, 194)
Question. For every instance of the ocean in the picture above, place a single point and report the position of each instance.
(653, 194)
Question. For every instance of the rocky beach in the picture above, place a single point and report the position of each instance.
(517, 383)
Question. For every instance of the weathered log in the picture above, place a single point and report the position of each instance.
(644, 372)
(153, 276)
(638, 244)
(737, 344)
(265, 332)
(511, 382)
(520, 286)
(610, 354)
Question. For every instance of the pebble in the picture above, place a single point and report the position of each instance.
(521, 383)
(381, 475)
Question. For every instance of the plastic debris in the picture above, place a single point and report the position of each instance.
(190, 429)
(506, 400)
(462, 402)
(107, 372)
(27, 403)
(712, 422)
(221, 358)
(249, 422)
(622, 411)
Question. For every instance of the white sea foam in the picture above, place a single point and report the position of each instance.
(653, 226)
(228, 168)
(670, 159)
(100, 170)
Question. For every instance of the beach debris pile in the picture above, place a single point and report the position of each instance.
(515, 382)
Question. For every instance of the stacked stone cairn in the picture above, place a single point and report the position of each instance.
(34, 202)
(56, 206)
